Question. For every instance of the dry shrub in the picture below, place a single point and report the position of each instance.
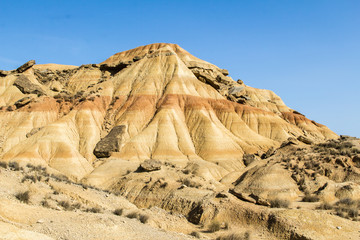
(3, 164)
(14, 166)
(30, 178)
(325, 206)
(195, 234)
(45, 203)
(214, 226)
(144, 218)
(76, 206)
(132, 215)
(118, 211)
(191, 183)
(23, 196)
(310, 198)
(94, 210)
(65, 205)
(279, 203)
(235, 236)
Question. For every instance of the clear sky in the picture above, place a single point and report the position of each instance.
(306, 51)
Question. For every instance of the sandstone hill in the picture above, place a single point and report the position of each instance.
(159, 131)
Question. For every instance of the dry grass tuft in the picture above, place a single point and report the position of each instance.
(279, 203)
(23, 196)
(214, 226)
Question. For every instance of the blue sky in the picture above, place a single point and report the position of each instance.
(308, 52)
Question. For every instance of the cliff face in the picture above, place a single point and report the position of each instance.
(171, 106)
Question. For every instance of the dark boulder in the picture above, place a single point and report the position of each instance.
(26, 66)
(110, 143)
(27, 87)
(150, 165)
(22, 102)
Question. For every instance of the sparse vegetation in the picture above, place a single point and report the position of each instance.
(94, 210)
(325, 206)
(191, 183)
(76, 206)
(45, 203)
(144, 218)
(23, 196)
(118, 211)
(30, 178)
(235, 236)
(310, 198)
(3, 164)
(132, 215)
(214, 226)
(279, 203)
(14, 166)
(195, 234)
(65, 205)
(60, 177)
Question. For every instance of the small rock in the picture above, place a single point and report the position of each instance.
(40, 221)
(225, 72)
(248, 159)
(242, 196)
(271, 151)
(150, 165)
(32, 132)
(22, 102)
(221, 195)
(305, 140)
(110, 143)
(338, 227)
(4, 73)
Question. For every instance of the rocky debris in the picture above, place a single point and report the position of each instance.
(115, 68)
(305, 140)
(25, 66)
(236, 91)
(221, 195)
(11, 108)
(225, 72)
(22, 102)
(4, 73)
(356, 161)
(45, 76)
(239, 81)
(260, 200)
(289, 141)
(209, 76)
(150, 165)
(33, 131)
(110, 143)
(271, 151)
(242, 196)
(27, 87)
(249, 158)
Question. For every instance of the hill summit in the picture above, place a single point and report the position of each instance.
(152, 102)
